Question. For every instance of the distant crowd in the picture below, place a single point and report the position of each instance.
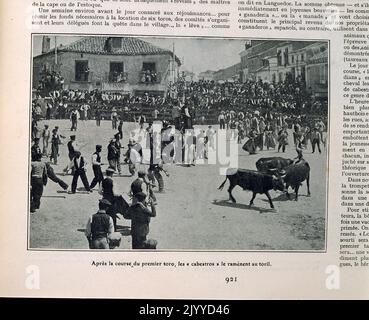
(203, 99)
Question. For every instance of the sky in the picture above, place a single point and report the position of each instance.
(196, 54)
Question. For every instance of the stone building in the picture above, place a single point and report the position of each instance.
(114, 64)
(276, 60)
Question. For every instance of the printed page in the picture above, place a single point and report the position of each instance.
(184, 149)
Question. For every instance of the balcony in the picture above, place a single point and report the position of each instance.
(82, 81)
(149, 77)
(117, 77)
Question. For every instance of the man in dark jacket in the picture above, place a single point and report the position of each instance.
(38, 181)
(113, 154)
(140, 215)
(99, 227)
(80, 171)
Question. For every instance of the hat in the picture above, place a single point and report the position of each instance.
(117, 135)
(73, 136)
(105, 202)
(98, 146)
(141, 173)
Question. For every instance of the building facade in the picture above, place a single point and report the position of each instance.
(227, 74)
(115, 64)
(276, 61)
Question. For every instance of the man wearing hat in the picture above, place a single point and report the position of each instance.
(140, 216)
(137, 186)
(80, 171)
(45, 140)
(74, 119)
(38, 181)
(72, 148)
(109, 194)
(132, 156)
(96, 167)
(112, 154)
(118, 146)
(99, 227)
(316, 137)
(221, 120)
(35, 149)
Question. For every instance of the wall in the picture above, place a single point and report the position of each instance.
(99, 66)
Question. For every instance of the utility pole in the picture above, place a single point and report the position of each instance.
(56, 52)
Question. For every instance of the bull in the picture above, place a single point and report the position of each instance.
(270, 165)
(254, 181)
(294, 175)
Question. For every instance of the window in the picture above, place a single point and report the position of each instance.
(302, 57)
(293, 59)
(323, 73)
(117, 43)
(148, 73)
(149, 66)
(286, 62)
(81, 70)
(116, 72)
(303, 73)
(279, 58)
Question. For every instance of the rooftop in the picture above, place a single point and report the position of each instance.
(130, 46)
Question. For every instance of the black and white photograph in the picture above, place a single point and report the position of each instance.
(178, 143)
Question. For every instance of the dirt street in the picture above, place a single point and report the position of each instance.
(192, 214)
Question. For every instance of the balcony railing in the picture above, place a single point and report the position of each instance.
(84, 77)
(117, 77)
(148, 77)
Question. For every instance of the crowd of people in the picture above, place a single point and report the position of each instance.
(204, 100)
(258, 113)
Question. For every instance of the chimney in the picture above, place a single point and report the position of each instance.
(45, 44)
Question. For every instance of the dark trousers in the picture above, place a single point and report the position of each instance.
(283, 146)
(98, 176)
(36, 193)
(221, 124)
(80, 173)
(53, 177)
(99, 243)
(138, 242)
(156, 175)
(98, 122)
(74, 125)
(316, 142)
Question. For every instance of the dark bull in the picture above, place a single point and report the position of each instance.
(294, 175)
(254, 181)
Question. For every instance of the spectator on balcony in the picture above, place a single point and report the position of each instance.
(154, 76)
(86, 74)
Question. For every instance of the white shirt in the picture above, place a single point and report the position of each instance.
(134, 156)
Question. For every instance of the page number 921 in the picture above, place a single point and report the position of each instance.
(230, 279)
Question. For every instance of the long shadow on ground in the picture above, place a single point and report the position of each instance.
(227, 203)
